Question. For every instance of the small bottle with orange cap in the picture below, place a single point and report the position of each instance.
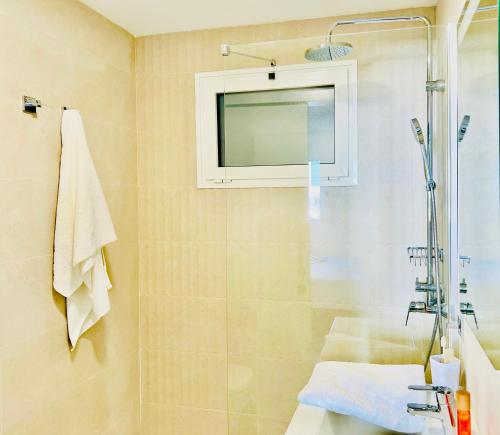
(463, 413)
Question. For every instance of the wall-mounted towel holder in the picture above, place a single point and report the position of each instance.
(30, 105)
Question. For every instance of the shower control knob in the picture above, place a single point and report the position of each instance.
(467, 309)
(463, 286)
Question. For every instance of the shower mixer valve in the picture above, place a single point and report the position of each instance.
(463, 286)
(424, 287)
(415, 307)
(467, 309)
(423, 308)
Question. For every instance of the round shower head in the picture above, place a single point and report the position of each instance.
(328, 51)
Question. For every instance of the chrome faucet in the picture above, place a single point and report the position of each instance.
(444, 410)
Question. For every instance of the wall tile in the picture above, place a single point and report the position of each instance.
(74, 57)
(188, 379)
(183, 268)
(162, 419)
(29, 309)
(281, 277)
(183, 323)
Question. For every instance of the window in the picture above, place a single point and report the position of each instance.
(257, 132)
(277, 127)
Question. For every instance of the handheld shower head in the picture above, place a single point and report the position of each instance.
(463, 128)
(329, 51)
(417, 131)
(419, 137)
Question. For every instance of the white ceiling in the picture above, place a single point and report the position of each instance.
(147, 17)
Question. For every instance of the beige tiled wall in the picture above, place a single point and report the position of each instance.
(227, 300)
(64, 54)
(227, 303)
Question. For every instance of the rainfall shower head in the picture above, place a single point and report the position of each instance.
(463, 128)
(329, 51)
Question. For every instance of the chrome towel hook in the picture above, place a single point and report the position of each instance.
(31, 104)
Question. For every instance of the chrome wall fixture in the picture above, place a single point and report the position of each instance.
(226, 50)
(31, 104)
(432, 286)
(443, 409)
(431, 254)
(463, 130)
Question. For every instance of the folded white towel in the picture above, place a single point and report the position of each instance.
(83, 227)
(375, 393)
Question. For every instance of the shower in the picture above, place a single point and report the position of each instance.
(328, 51)
(431, 253)
(431, 187)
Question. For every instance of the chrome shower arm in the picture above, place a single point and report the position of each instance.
(381, 20)
(430, 88)
(226, 50)
(421, 18)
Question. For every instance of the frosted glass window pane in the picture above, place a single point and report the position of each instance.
(278, 127)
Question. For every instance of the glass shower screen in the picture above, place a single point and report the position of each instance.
(321, 273)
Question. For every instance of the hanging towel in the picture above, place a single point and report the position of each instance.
(375, 393)
(83, 227)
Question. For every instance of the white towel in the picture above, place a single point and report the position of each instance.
(83, 227)
(375, 393)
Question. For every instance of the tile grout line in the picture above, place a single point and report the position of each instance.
(139, 231)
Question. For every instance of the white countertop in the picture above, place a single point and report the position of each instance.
(310, 420)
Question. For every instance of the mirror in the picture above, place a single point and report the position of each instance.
(479, 173)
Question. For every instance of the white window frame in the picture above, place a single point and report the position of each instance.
(341, 74)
